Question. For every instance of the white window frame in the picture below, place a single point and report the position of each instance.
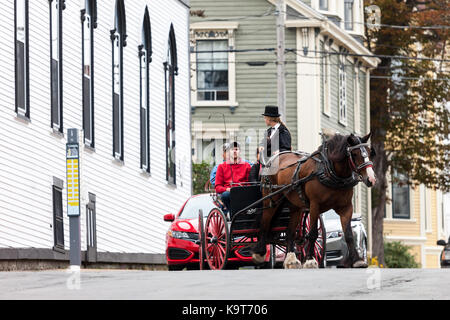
(342, 90)
(352, 15)
(389, 207)
(214, 31)
(21, 20)
(55, 54)
(88, 61)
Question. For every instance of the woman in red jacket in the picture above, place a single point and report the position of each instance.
(233, 171)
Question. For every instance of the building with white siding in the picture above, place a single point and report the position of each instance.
(118, 71)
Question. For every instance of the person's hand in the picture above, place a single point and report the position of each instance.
(261, 149)
(228, 189)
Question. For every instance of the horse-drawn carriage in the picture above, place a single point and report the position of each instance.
(283, 209)
(220, 234)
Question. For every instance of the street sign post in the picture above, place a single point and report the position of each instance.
(73, 195)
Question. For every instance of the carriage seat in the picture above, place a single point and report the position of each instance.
(267, 168)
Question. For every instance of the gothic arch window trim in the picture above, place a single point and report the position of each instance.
(88, 24)
(118, 42)
(171, 70)
(21, 48)
(145, 57)
(56, 63)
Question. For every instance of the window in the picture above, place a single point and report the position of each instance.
(214, 81)
(348, 14)
(118, 40)
(323, 4)
(212, 70)
(58, 216)
(22, 58)
(171, 70)
(56, 9)
(91, 229)
(88, 23)
(400, 196)
(342, 91)
(145, 54)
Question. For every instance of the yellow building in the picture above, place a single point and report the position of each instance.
(415, 217)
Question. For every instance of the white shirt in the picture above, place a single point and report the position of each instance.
(275, 127)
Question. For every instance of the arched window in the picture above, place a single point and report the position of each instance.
(56, 32)
(88, 24)
(171, 70)
(145, 57)
(21, 35)
(118, 40)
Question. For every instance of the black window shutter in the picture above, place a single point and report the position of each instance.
(58, 218)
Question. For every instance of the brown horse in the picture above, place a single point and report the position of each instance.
(347, 157)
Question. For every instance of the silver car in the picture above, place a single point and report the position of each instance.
(336, 247)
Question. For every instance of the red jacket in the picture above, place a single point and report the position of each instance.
(228, 173)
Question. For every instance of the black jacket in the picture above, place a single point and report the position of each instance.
(283, 137)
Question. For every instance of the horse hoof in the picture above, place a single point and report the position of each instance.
(311, 264)
(257, 258)
(360, 264)
(291, 262)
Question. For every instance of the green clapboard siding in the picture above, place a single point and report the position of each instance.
(256, 86)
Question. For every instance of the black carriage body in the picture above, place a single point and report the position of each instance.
(247, 222)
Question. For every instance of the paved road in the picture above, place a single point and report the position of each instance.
(229, 284)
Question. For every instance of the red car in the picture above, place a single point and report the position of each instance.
(182, 244)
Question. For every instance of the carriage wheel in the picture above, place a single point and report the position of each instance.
(319, 245)
(201, 236)
(216, 239)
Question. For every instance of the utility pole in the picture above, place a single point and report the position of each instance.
(281, 71)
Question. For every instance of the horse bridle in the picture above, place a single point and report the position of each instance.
(367, 163)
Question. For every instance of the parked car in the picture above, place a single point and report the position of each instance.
(182, 242)
(445, 254)
(336, 247)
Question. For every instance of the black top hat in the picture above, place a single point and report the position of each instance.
(271, 111)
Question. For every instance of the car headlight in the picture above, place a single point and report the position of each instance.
(178, 234)
(334, 234)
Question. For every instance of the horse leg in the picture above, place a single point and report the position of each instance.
(353, 259)
(311, 262)
(259, 252)
(291, 261)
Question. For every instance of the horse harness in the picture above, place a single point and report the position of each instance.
(324, 172)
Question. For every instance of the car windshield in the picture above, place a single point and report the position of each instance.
(194, 204)
(330, 215)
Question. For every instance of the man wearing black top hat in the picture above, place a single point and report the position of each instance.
(277, 138)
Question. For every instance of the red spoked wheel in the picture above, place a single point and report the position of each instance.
(319, 245)
(201, 236)
(216, 238)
